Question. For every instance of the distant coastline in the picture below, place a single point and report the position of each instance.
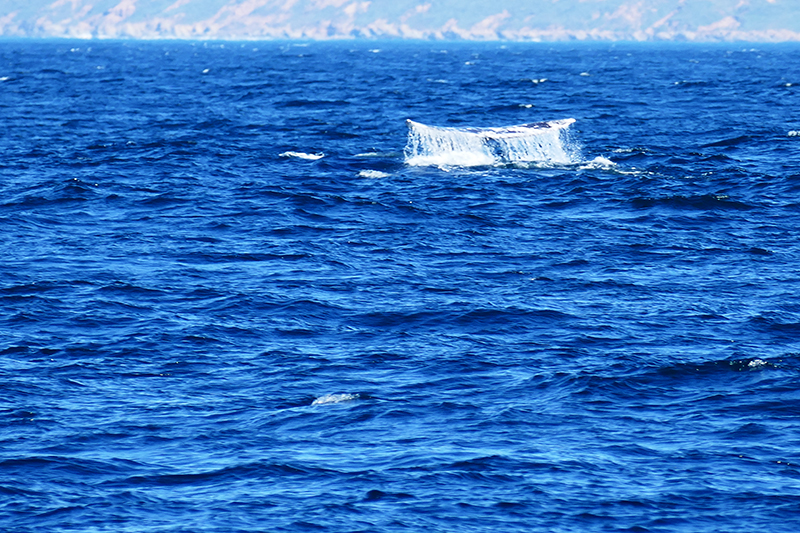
(501, 20)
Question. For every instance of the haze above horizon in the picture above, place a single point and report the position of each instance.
(499, 20)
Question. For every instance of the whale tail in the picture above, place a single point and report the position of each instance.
(544, 142)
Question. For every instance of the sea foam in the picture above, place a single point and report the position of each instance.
(373, 174)
(335, 398)
(302, 155)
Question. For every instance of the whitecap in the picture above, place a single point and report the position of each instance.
(5, 78)
(599, 162)
(303, 155)
(373, 174)
(794, 133)
(756, 363)
(335, 398)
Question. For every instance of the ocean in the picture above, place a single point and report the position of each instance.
(399, 287)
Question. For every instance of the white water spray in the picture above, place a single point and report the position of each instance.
(544, 142)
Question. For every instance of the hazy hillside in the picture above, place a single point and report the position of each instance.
(692, 20)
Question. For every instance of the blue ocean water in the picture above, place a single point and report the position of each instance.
(240, 292)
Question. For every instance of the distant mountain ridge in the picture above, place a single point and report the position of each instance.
(513, 20)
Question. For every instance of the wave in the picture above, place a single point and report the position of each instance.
(544, 142)
(728, 142)
(705, 202)
(373, 174)
(335, 398)
(302, 155)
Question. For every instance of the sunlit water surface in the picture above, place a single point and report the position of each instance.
(240, 292)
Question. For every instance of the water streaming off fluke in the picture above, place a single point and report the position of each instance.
(540, 142)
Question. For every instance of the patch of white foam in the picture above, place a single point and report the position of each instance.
(373, 174)
(756, 363)
(335, 398)
(599, 162)
(794, 133)
(466, 147)
(303, 155)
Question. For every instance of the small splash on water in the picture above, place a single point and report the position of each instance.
(335, 398)
(756, 363)
(544, 142)
(303, 155)
(373, 174)
(794, 133)
(598, 162)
